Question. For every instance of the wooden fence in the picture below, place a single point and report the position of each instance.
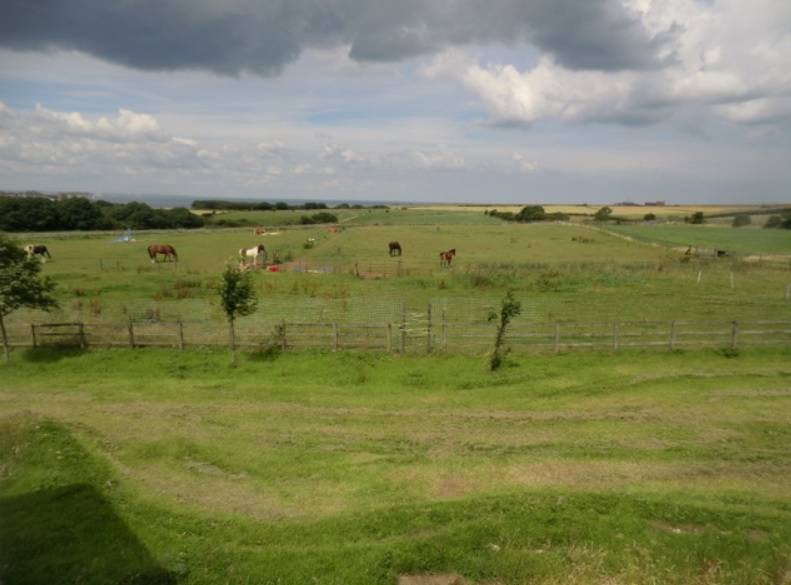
(413, 334)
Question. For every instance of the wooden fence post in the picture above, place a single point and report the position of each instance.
(335, 340)
(672, 335)
(389, 336)
(131, 329)
(33, 335)
(81, 326)
(428, 329)
(700, 273)
(180, 332)
(444, 330)
(557, 337)
(616, 330)
(402, 341)
(734, 333)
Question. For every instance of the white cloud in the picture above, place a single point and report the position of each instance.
(732, 61)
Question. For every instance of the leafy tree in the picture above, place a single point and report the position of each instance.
(697, 218)
(238, 299)
(649, 217)
(509, 309)
(281, 206)
(21, 284)
(777, 221)
(603, 214)
(77, 213)
(531, 213)
(741, 220)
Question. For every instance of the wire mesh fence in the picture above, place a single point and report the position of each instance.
(411, 333)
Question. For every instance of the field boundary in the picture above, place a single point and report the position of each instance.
(414, 334)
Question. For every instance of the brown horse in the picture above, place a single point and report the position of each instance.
(395, 248)
(38, 250)
(445, 258)
(168, 251)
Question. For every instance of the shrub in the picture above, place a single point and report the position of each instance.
(741, 220)
(649, 217)
(697, 218)
(603, 214)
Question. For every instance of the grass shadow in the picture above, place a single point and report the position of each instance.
(51, 354)
(71, 534)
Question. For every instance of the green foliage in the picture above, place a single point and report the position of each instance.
(77, 213)
(649, 217)
(603, 214)
(21, 284)
(237, 294)
(528, 214)
(322, 217)
(697, 218)
(741, 220)
(778, 221)
(509, 308)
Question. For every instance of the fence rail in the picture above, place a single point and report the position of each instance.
(414, 333)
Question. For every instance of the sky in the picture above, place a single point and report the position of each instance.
(496, 101)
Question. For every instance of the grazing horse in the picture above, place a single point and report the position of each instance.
(256, 253)
(168, 251)
(395, 248)
(445, 258)
(38, 250)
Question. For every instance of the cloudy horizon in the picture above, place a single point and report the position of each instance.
(447, 101)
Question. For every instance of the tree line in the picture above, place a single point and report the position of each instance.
(38, 214)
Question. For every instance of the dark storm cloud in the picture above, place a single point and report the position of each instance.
(263, 36)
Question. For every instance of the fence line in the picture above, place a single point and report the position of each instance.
(414, 333)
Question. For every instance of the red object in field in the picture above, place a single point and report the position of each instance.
(273, 268)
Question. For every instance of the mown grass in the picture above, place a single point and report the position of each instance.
(358, 468)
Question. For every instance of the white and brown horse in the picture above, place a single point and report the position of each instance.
(166, 250)
(38, 250)
(255, 255)
(445, 258)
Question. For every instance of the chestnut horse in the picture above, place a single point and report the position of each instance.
(445, 258)
(395, 248)
(168, 251)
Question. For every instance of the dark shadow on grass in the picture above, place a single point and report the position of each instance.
(51, 354)
(71, 534)
(268, 353)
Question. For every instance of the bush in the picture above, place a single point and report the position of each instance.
(603, 214)
(741, 220)
(697, 218)
(649, 217)
(321, 217)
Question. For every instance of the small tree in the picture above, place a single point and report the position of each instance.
(649, 217)
(21, 285)
(509, 309)
(697, 218)
(603, 214)
(238, 299)
(741, 220)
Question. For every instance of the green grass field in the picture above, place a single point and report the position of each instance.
(566, 272)
(745, 240)
(152, 466)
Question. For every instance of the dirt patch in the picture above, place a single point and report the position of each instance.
(442, 579)
(678, 528)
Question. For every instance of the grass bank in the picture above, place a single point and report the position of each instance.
(154, 466)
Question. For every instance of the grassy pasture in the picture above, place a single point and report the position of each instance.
(152, 466)
(745, 240)
(625, 211)
(559, 272)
